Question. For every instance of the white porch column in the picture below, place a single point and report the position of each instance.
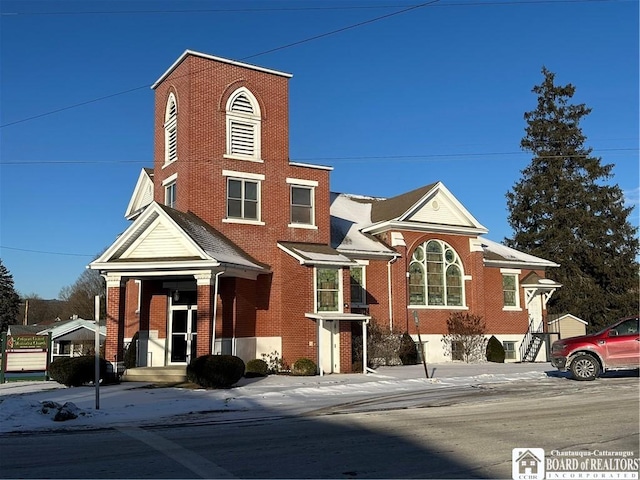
(320, 327)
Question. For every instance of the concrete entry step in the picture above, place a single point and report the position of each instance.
(169, 374)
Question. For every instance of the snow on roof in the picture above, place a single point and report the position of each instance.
(497, 252)
(349, 215)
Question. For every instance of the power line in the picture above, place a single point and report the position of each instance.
(426, 156)
(297, 9)
(431, 3)
(45, 252)
(300, 42)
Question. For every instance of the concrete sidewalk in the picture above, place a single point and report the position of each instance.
(404, 372)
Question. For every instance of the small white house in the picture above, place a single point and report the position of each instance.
(70, 338)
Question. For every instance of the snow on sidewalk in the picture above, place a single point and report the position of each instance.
(21, 403)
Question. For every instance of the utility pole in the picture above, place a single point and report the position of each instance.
(424, 360)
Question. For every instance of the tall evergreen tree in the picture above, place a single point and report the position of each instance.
(9, 299)
(565, 209)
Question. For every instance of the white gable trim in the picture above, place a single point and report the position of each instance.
(143, 188)
(217, 59)
(438, 197)
(136, 233)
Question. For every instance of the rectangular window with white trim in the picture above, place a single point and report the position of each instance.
(328, 292)
(170, 194)
(243, 199)
(511, 299)
(358, 291)
(302, 203)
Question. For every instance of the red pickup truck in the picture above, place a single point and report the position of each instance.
(617, 347)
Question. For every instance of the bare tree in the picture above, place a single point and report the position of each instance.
(465, 339)
(80, 295)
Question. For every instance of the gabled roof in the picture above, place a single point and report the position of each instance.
(217, 59)
(558, 317)
(429, 208)
(142, 194)
(349, 215)
(315, 254)
(74, 329)
(497, 254)
(162, 238)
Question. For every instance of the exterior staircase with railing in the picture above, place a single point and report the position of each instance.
(532, 342)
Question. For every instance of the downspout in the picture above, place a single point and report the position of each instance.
(215, 311)
(390, 292)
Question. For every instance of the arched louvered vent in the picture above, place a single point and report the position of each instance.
(242, 104)
(243, 126)
(171, 130)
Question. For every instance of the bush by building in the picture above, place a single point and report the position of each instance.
(216, 371)
(256, 368)
(495, 350)
(76, 371)
(304, 367)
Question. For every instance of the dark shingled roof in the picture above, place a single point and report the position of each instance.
(395, 206)
(211, 240)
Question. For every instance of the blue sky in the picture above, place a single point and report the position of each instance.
(436, 93)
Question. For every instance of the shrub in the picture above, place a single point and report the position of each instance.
(465, 339)
(215, 371)
(256, 368)
(408, 351)
(495, 350)
(304, 367)
(76, 371)
(131, 355)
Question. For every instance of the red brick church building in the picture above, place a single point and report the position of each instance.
(233, 248)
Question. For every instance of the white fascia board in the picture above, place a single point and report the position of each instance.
(158, 268)
(217, 59)
(423, 227)
(291, 253)
(367, 253)
(520, 264)
(310, 165)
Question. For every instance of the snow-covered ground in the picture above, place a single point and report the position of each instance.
(22, 403)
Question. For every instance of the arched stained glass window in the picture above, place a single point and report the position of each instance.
(436, 275)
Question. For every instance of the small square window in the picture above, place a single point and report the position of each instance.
(509, 350)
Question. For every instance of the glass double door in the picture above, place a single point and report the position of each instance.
(184, 333)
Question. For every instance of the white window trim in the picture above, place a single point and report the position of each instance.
(340, 289)
(293, 182)
(255, 120)
(168, 184)
(170, 179)
(514, 273)
(362, 264)
(254, 177)
(243, 175)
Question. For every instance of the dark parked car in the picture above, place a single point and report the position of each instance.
(617, 347)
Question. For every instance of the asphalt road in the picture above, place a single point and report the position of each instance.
(458, 432)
